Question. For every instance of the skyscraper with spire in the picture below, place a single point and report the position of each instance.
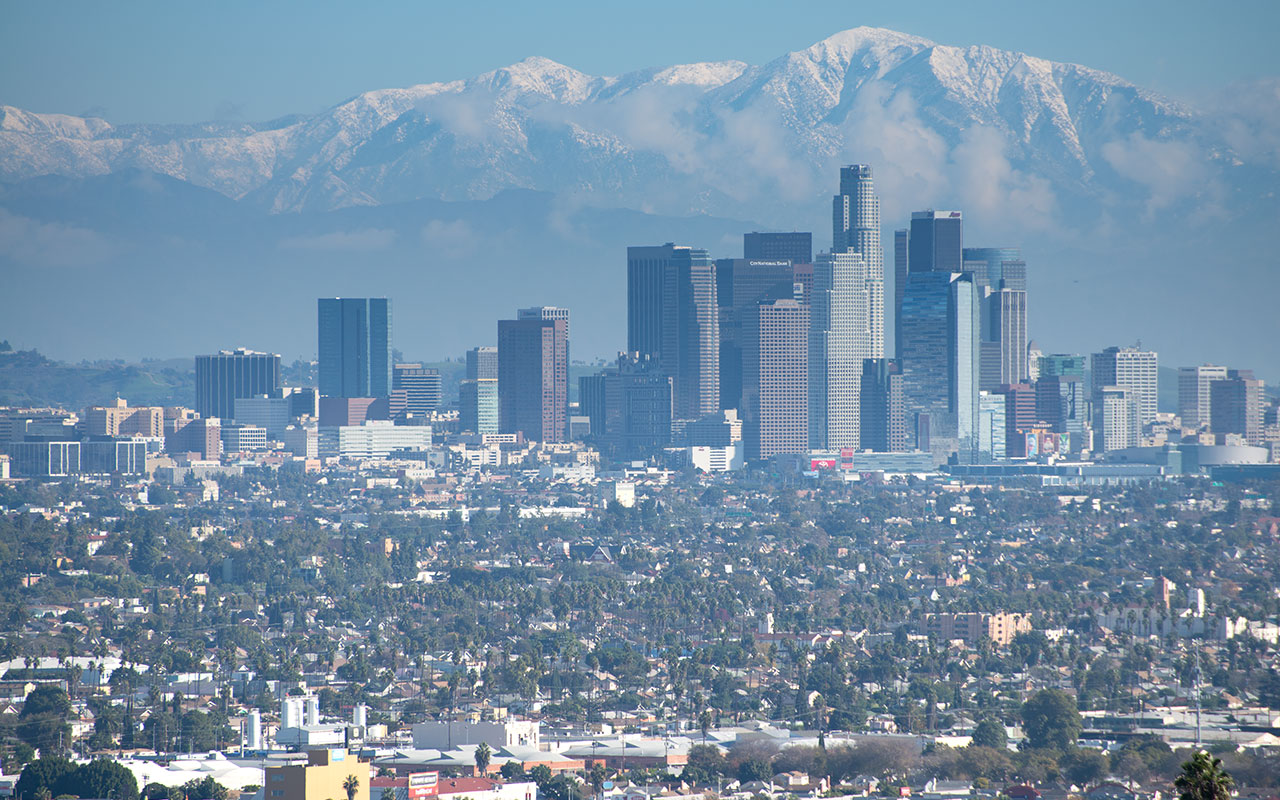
(855, 221)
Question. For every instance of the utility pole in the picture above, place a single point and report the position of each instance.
(1197, 679)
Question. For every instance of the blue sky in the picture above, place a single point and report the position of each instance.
(182, 62)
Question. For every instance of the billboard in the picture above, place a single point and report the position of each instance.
(822, 463)
(423, 784)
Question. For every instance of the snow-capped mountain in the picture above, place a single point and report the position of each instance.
(941, 124)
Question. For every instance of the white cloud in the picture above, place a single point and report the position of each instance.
(449, 240)
(363, 239)
(1169, 170)
(30, 243)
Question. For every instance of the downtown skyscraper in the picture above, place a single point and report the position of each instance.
(673, 319)
(940, 330)
(355, 346)
(533, 377)
(855, 228)
(839, 340)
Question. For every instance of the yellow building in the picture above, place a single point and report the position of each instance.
(317, 775)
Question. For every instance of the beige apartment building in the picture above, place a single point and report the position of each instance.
(1000, 627)
(316, 775)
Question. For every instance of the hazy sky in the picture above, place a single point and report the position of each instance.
(181, 62)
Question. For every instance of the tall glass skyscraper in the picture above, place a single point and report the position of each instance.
(936, 243)
(940, 336)
(1001, 274)
(856, 228)
(673, 318)
(838, 342)
(355, 346)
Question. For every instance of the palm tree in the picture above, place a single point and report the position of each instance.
(1203, 778)
(350, 784)
(483, 756)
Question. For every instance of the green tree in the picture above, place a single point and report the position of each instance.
(43, 721)
(990, 733)
(1051, 720)
(483, 756)
(512, 771)
(204, 789)
(103, 777)
(541, 775)
(351, 785)
(1203, 778)
(45, 773)
(1084, 767)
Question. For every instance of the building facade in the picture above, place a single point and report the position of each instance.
(856, 229)
(940, 362)
(839, 340)
(673, 318)
(776, 380)
(230, 374)
(354, 346)
(796, 247)
(1129, 368)
(533, 378)
(1193, 394)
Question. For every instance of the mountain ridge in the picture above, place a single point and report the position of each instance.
(541, 124)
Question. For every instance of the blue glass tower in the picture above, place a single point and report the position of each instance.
(940, 338)
(355, 346)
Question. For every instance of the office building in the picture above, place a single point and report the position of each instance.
(741, 284)
(940, 360)
(355, 346)
(1001, 275)
(1059, 364)
(723, 429)
(303, 442)
(856, 229)
(635, 412)
(228, 374)
(1133, 369)
(546, 312)
(114, 457)
(240, 438)
(673, 318)
(272, 414)
(336, 411)
(482, 364)
(316, 775)
(991, 427)
(839, 339)
(901, 240)
(776, 380)
(1020, 417)
(533, 378)
(1117, 417)
(304, 401)
(200, 436)
(1062, 405)
(937, 242)
(373, 439)
(122, 419)
(421, 387)
(478, 405)
(1236, 407)
(796, 247)
(883, 412)
(44, 459)
(1193, 394)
